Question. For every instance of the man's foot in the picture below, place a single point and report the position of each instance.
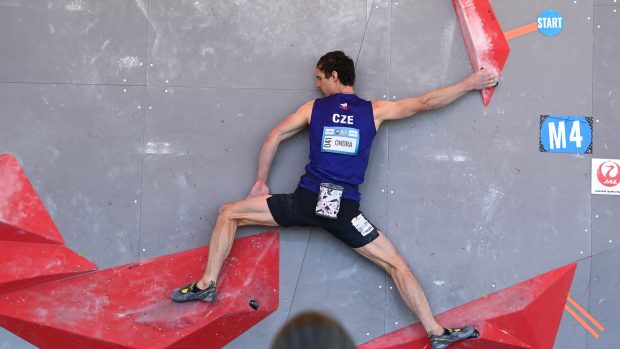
(451, 335)
(191, 292)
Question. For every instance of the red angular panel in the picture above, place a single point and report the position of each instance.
(28, 264)
(484, 38)
(129, 306)
(22, 214)
(526, 315)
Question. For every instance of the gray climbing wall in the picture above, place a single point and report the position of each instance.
(135, 120)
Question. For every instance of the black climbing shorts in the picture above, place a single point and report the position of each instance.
(297, 209)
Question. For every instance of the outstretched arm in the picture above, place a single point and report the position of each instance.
(285, 129)
(386, 110)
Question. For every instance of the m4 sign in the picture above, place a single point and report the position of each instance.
(565, 134)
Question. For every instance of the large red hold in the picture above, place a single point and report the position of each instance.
(129, 306)
(22, 214)
(526, 315)
(27, 264)
(31, 250)
(484, 38)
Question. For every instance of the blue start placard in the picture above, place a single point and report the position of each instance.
(550, 23)
(565, 134)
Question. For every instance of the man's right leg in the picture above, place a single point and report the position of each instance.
(250, 211)
(381, 252)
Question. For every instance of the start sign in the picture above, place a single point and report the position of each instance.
(550, 23)
(565, 134)
(606, 176)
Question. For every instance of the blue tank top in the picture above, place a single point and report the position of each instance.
(342, 129)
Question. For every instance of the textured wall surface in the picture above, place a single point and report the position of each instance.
(135, 120)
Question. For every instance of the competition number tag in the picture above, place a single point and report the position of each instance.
(340, 140)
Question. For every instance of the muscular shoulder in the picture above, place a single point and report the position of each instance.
(380, 109)
(380, 106)
(307, 106)
(304, 112)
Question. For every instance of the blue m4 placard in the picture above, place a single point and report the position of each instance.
(566, 134)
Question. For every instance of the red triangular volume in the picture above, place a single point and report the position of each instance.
(130, 306)
(526, 315)
(22, 214)
(28, 264)
(484, 38)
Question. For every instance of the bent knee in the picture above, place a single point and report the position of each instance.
(227, 210)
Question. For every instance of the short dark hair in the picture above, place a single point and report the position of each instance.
(337, 61)
(312, 330)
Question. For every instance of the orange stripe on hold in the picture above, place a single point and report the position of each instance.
(515, 33)
(586, 314)
(581, 321)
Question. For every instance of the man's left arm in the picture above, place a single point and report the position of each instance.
(386, 110)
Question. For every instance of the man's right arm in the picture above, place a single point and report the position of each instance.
(288, 127)
(387, 110)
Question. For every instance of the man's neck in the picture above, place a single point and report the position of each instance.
(345, 89)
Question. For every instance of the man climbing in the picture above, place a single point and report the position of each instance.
(342, 127)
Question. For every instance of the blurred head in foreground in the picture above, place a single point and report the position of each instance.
(312, 330)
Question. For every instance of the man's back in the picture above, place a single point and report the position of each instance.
(342, 129)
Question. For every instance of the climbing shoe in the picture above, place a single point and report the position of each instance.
(191, 292)
(451, 335)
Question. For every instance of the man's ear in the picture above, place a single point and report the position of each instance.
(334, 75)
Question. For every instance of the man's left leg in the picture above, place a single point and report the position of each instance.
(382, 252)
(250, 211)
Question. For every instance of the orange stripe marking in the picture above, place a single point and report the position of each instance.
(586, 314)
(515, 33)
(581, 321)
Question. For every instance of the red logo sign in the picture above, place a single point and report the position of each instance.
(609, 174)
(344, 106)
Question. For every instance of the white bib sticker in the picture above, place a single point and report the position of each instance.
(362, 225)
(340, 140)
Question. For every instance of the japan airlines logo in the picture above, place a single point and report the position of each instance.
(344, 106)
(608, 174)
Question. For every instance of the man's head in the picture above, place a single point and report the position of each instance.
(332, 69)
